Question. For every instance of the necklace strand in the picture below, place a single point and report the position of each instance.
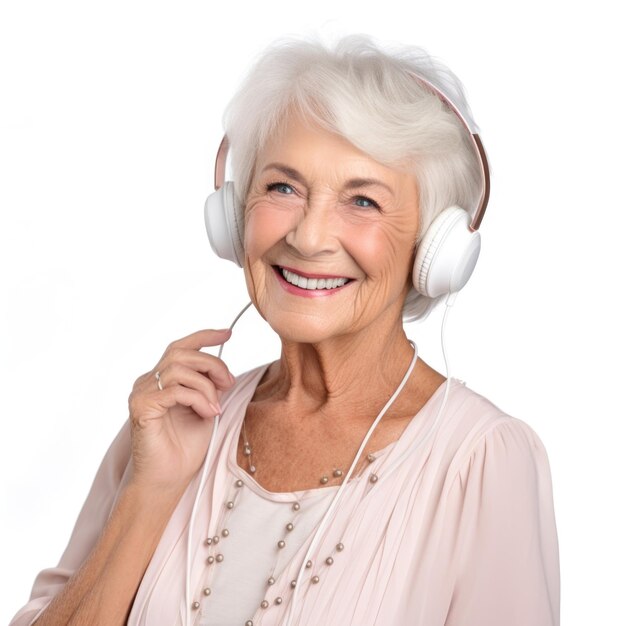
(212, 542)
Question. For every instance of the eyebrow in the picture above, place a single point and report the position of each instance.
(353, 183)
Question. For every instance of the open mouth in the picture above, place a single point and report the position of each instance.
(314, 283)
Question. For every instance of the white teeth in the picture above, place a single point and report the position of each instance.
(312, 283)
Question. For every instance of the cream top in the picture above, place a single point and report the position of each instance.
(256, 523)
(251, 554)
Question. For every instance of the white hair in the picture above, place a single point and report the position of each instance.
(367, 95)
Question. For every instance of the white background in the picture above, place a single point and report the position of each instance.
(110, 116)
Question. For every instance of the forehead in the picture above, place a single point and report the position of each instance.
(319, 153)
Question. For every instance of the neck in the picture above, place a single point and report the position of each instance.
(353, 373)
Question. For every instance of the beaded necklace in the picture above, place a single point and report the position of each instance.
(212, 541)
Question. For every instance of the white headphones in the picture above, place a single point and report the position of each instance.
(446, 254)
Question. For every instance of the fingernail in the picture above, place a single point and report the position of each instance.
(217, 409)
(232, 378)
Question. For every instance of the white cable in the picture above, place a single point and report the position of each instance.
(207, 462)
(411, 450)
(245, 308)
(216, 421)
(334, 501)
(449, 302)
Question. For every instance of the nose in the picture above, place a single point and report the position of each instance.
(315, 229)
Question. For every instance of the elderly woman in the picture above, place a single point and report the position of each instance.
(348, 482)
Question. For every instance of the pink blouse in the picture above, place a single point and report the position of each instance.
(460, 533)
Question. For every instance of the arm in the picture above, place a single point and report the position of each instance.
(160, 448)
(508, 545)
(103, 589)
(113, 540)
(100, 501)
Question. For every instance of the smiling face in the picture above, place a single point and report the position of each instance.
(329, 236)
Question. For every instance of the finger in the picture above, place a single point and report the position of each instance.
(202, 338)
(169, 398)
(190, 398)
(179, 374)
(210, 365)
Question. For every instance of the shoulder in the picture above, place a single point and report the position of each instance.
(492, 442)
(499, 513)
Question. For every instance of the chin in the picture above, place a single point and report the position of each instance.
(302, 328)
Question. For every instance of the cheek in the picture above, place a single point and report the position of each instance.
(264, 227)
(382, 251)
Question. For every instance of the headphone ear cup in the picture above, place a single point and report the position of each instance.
(223, 224)
(446, 255)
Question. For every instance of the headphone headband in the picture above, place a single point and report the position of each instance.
(220, 163)
(479, 212)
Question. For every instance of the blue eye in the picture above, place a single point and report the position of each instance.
(369, 202)
(281, 188)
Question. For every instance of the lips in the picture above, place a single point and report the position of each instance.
(311, 282)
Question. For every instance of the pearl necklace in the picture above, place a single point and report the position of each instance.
(212, 541)
(216, 556)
